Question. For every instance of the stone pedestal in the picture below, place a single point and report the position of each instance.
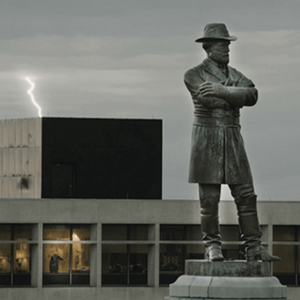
(227, 280)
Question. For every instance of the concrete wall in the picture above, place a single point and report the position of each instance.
(98, 212)
(20, 158)
(136, 211)
(91, 293)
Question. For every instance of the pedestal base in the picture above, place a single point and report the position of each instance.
(230, 282)
(175, 298)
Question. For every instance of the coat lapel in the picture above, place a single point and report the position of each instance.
(214, 71)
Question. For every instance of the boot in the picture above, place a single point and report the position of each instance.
(259, 252)
(214, 253)
(250, 230)
(211, 232)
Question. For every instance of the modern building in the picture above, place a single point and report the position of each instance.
(82, 217)
(124, 249)
(81, 158)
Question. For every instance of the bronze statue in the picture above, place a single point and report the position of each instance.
(218, 155)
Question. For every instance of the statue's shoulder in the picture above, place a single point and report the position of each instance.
(235, 71)
(195, 71)
(240, 78)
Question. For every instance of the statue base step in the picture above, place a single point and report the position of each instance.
(227, 280)
(228, 268)
(175, 298)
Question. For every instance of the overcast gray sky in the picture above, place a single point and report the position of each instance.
(126, 59)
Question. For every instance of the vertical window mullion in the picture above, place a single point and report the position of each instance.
(12, 257)
(296, 255)
(71, 254)
(128, 255)
(128, 264)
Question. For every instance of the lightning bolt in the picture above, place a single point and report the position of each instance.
(32, 97)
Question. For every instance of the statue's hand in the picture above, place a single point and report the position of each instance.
(212, 89)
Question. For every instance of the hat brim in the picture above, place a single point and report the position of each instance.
(212, 39)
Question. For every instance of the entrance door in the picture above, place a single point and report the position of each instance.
(63, 180)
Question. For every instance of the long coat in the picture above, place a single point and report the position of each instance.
(217, 150)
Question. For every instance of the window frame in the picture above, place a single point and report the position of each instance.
(31, 243)
(92, 242)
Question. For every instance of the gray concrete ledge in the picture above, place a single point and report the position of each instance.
(176, 298)
(206, 287)
(229, 268)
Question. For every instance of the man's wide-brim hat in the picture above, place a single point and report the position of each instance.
(215, 31)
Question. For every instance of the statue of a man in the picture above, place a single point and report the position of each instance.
(218, 155)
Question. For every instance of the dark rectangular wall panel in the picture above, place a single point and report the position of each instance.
(101, 158)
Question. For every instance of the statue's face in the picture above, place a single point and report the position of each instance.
(219, 52)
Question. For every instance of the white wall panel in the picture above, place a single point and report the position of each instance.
(11, 169)
(1, 162)
(5, 134)
(20, 157)
(11, 133)
(27, 193)
(38, 161)
(38, 133)
(1, 133)
(17, 185)
(18, 129)
(25, 130)
(5, 183)
(18, 162)
(25, 161)
(5, 162)
(31, 161)
(37, 187)
(34, 132)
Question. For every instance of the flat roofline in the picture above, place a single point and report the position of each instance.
(84, 118)
(134, 200)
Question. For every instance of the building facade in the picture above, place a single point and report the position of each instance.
(124, 249)
(81, 158)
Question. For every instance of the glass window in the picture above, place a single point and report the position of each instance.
(5, 264)
(285, 269)
(124, 264)
(81, 264)
(298, 264)
(56, 264)
(114, 232)
(138, 260)
(22, 232)
(138, 232)
(5, 233)
(180, 233)
(81, 233)
(229, 232)
(15, 259)
(124, 232)
(114, 264)
(22, 267)
(57, 233)
(193, 233)
(171, 262)
(66, 264)
(233, 252)
(172, 233)
(195, 252)
(284, 233)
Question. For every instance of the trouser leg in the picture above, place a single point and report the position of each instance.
(209, 209)
(245, 200)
